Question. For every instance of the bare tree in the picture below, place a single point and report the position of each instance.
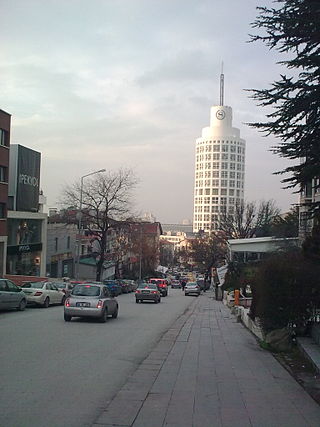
(105, 200)
(249, 220)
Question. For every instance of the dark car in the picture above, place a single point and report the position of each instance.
(114, 287)
(162, 285)
(148, 292)
(11, 296)
(125, 288)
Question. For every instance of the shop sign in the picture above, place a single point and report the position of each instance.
(18, 249)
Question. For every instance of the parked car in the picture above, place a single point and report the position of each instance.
(65, 287)
(162, 285)
(175, 284)
(192, 288)
(90, 300)
(125, 288)
(114, 287)
(11, 296)
(43, 293)
(132, 284)
(148, 292)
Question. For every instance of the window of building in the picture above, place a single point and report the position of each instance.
(200, 192)
(216, 156)
(206, 200)
(215, 165)
(231, 200)
(223, 191)
(224, 156)
(215, 200)
(56, 244)
(207, 174)
(68, 242)
(223, 200)
(232, 166)
(216, 148)
(215, 208)
(208, 157)
(206, 209)
(3, 174)
(3, 210)
(231, 183)
(231, 192)
(224, 165)
(215, 183)
(207, 182)
(215, 174)
(225, 148)
(224, 183)
(3, 137)
(207, 191)
(215, 191)
(233, 157)
(239, 168)
(224, 174)
(233, 149)
(231, 209)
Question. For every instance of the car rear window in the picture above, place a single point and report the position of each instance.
(148, 286)
(36, 285)
(86, 291)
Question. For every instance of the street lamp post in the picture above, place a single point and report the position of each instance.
(80, 218)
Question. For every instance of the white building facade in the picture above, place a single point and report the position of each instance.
(219, 170)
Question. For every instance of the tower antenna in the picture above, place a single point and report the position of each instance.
(221, 85)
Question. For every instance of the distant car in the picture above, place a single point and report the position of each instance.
(65, 287)
(114, 287)
(43, 293)
(192, 288)
(175, 284)
(162, 285)
(147, 292)
(90, 300)
(11, 296)
(125, 287)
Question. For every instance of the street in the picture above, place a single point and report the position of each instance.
(55, 373)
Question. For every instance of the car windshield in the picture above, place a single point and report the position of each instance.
(191, 284)
(86, 291)
(36, 285)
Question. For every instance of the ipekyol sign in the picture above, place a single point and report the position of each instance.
(28, 182)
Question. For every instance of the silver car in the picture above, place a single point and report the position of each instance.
(11, 296)
(192, 288)
(90, 300)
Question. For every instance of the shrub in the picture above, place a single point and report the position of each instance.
(286, 288)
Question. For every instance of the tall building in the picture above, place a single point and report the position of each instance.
(219, 168)
(5, 123)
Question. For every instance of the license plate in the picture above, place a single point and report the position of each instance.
(145, 292)
(83, 304)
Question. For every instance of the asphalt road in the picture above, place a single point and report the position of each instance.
(54, 373)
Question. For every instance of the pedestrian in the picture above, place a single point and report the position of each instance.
(183, 284)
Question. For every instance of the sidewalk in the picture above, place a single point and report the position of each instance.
(209, 371)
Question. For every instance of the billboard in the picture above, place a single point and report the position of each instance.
(28, 179)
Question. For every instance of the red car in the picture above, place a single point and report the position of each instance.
(162, 285)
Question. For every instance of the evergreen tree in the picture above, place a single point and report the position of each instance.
(293, 29)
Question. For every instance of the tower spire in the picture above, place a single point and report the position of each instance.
(221, 85)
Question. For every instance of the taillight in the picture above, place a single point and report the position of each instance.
(67, 303)
(37, 294)
(154, 292)
(138, 291)
(100, 304)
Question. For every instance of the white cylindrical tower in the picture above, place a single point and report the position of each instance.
(219, 170)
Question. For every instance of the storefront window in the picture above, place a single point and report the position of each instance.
(26, 263)
(24, 231)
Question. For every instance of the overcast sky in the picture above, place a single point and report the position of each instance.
(129, 83)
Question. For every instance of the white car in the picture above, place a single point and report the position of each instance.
(43, 293)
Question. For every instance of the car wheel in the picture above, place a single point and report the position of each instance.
(63, 300)
(137, 301)
(22, 305)
(115, 314)
(185, 294)
(104, 316)
(46, 303)
(67, 318)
